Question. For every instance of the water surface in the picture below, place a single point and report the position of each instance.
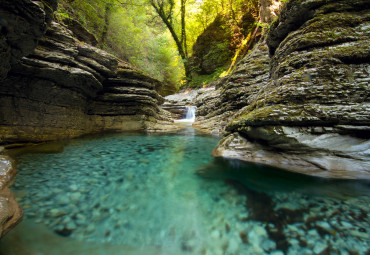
(165, 194)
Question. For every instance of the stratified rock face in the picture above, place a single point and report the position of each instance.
(312, 114)
(217, 108)
(80, 32)
(176, 104)
(66, 89)
(22, 23)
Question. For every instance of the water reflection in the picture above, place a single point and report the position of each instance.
(165, 194)
(269, 179)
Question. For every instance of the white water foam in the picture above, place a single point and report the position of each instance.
(190, 115)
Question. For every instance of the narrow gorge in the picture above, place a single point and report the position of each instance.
(272, 157)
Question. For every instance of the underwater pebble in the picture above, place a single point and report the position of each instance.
(312, 232)
(63, 200)
(57, 212)
(359, 234)
(233, 246)
(215, 234)
(123, 203)
(277, 253)
(293, 242)
(73, 187)
(76, 196)
(80, 216)
(268, 245)
(71, 225)
(90, 228)
(319, 247)
(346, 224)
(324, 225)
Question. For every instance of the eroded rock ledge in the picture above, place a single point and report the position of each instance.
(53, 86)
(22, 23)
(66, 88)
(300, 99)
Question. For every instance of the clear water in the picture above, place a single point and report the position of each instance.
(165, 194)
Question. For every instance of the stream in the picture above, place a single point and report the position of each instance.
(139, 193)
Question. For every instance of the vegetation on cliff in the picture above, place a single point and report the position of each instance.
(163, 37)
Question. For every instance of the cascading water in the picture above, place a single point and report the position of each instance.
(190, 115)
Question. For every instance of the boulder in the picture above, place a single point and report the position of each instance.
(11, 213)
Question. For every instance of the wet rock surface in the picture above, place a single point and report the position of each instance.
(22, 24)
(176, 104)
(52, 86)
(310, 75)
(10, 212)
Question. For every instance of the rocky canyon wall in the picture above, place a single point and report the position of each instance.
(22, 24)
(66, 88)
(53, 86)
(300, 99)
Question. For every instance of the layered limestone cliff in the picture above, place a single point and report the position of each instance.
(299, 100)
(53, 86)
(22, 24)
(67, 88)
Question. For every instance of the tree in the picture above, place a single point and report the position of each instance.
(165, 10)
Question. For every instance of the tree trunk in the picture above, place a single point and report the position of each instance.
(107, 9)
(167, 20)
(183, 27)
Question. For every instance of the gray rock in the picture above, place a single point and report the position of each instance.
(320, 247)
(75, 197)
(318, 91)
(277, 253)
(55, 212)
(65, 89)
(24, 22)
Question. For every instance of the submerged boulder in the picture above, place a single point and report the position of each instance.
(10, 212)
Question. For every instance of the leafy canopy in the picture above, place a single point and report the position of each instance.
(134, 31)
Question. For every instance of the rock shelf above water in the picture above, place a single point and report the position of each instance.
(310, 74)
(67, 88)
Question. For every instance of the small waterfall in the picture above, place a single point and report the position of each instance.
(190, 114)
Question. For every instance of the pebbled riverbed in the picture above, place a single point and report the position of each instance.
(165, 194)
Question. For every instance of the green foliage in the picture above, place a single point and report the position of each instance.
(129, 31)
(88, 13)
(132, 30)
(263, 25)
(217, 56)
(202, 80)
